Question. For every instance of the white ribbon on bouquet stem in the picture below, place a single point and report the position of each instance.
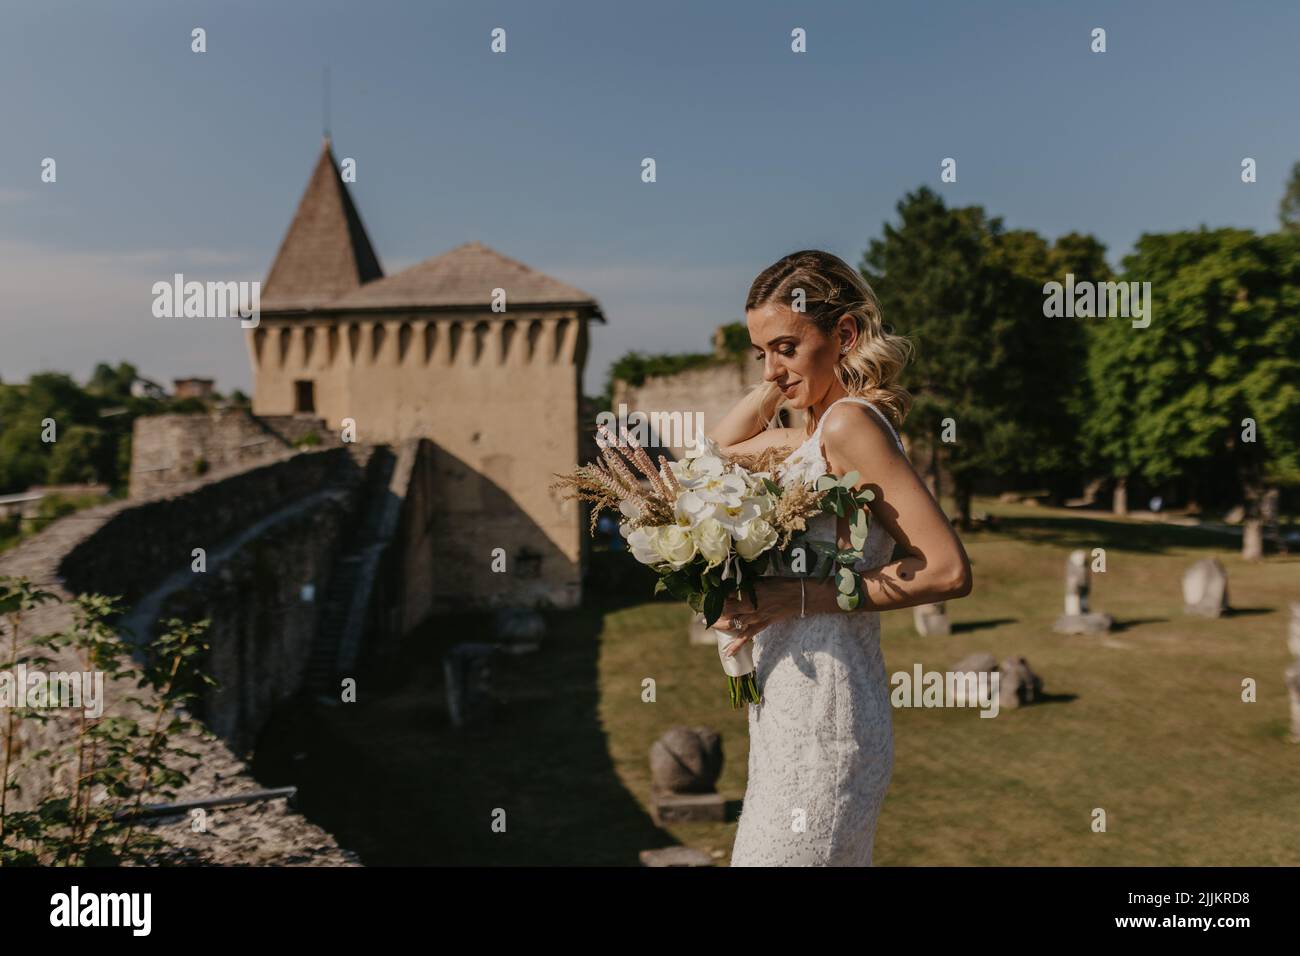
(742, 662)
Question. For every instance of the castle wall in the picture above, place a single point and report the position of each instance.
(263, 622)
(498, 396)
(711, 391)
(167, 450)
(137, 547)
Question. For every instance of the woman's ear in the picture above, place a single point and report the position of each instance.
(848, 337)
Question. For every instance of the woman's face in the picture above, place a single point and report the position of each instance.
(796, 356)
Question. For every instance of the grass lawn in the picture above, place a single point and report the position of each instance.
(1146, 723)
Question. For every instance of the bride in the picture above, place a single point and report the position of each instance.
(821, 747)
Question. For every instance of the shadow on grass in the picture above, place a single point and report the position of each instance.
(1248, 611)
(1099, 530)
(965, 626)
(1132, 622)
(1054, 699)
(390, 778)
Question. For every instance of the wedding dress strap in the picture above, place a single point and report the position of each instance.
(857, 398)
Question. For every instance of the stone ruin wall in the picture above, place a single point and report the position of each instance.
(710, 390)
(259, 632)
(167, 450)
(498, 395)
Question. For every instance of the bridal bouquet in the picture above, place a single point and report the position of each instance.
(709, 526)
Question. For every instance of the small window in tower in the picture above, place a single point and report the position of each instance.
(304, 396)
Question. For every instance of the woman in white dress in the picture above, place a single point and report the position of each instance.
(821, 747)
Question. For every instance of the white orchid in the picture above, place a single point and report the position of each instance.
(735, 518)
(691, 471)
(704, 447)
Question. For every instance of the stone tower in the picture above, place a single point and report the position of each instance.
(424, 353)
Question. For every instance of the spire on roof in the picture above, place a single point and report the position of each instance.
(326, 251)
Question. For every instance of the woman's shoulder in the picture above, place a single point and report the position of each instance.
(855, 421)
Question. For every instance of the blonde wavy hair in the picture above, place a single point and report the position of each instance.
(832, 290)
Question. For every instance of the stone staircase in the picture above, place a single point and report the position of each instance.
(344, 611)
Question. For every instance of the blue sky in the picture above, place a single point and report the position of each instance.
(171, 161)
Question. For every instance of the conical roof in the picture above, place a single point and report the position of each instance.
(326, 252)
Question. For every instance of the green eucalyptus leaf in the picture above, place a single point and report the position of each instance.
(849, 480)
(679, 585)
(713, 601)
(826, 482)
(772, 487)
(845, 581)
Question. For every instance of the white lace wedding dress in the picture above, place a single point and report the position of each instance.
(821, 744)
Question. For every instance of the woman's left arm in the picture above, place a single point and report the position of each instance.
(936, 567)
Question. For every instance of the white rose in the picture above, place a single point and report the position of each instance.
(758, 537)
(641, 542)
(674, 545)
(712, 540)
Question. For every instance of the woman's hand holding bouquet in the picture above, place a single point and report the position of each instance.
(710, 527)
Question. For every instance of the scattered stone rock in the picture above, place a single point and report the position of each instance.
(1205, 588)
(1078, 619)
(1017, 684)
(931, 620)
(668, 808)
(1293, 686)
(1078, 582)
(1293, 670)
(981, 662)
(519, 624)
(1293, 632)
(686, 760)
(467, 668)
(684, 767)
(1083, 624)
(675, 856)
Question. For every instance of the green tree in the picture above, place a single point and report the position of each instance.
(111, 383)
(81, 455)
(1178, 398)
(1288, 211)
(969, 294)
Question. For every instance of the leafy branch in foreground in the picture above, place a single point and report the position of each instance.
(114, 761)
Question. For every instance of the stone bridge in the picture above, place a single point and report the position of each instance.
(311, 561)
